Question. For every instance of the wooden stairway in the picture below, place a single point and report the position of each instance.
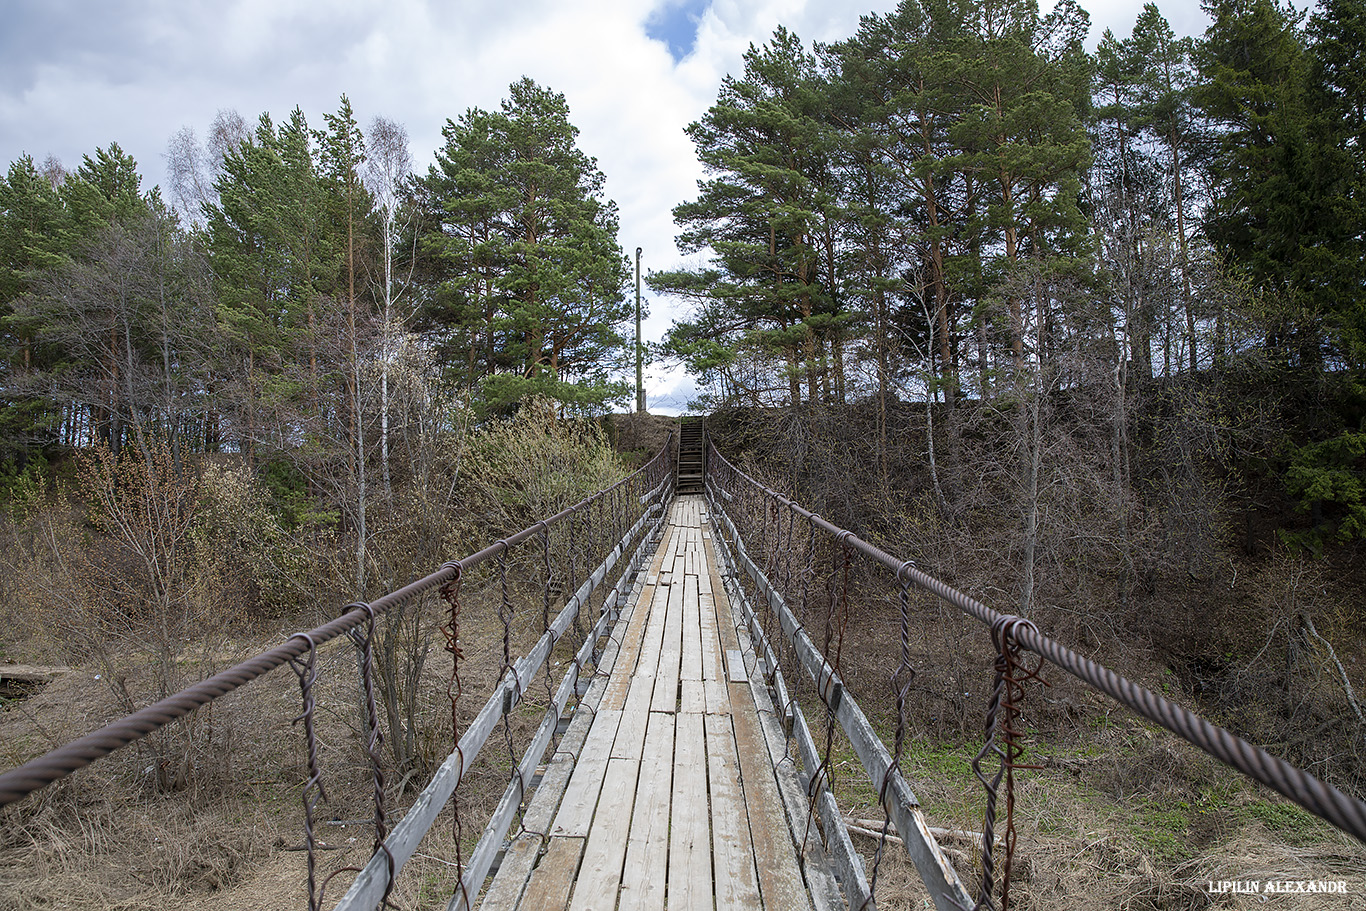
(692, 442)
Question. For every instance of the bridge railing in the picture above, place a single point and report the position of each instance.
(642, 497)
(609, 531)
(800, 568)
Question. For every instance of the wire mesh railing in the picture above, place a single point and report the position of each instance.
(585, 557)
(803, 572)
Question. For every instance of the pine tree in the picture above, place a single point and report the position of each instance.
(1164, 81)
(34, 239)
(1276, 211)
(1027, 84)
(897, 101)
(770, 214)
(525, 247)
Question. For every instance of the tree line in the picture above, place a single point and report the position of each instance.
(294, 273)
(299, 297)
(962, 188)
(960, 203)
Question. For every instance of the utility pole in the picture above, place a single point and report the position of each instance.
(640, 383)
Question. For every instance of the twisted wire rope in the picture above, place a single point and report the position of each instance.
(1342, 810)
(56, 764)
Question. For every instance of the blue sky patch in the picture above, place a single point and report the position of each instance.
(675, 23)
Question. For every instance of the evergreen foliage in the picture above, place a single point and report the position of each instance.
(527, 272)
(957, 203)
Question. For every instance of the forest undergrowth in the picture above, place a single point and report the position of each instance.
(1186, 572)
(209, 810)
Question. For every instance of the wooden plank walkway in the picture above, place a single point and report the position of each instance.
(661, 807)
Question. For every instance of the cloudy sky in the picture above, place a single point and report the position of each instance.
(79, 74)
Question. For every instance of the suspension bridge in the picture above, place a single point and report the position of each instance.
(700, 618)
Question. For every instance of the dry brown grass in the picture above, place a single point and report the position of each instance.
(1122, 815)
(107, 839)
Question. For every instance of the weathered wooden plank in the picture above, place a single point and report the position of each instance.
(671, 652)
(635, 717)
(585, 785)
(690, 664)
(711, 640)
(614, 697)
(704, 578)
(549, 885)
(725, 616)
(690, 885)
(647, 850)
(692, 696)
(600, 873)
(519, 860)
(780, 880)
(737, 887)
(735, 666)
(656, 565)
(717, 697)
(653, 642)
(671, 552)
(821, 884)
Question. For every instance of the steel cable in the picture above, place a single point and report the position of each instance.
(58, 763)
(1344, 811)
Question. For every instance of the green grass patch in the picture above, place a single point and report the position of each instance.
(1295, 825)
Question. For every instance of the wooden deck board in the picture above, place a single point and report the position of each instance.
(614, 697)
(546, 889)
(673, 801)
(780, 879)
(671, 651)
(717, 697)
(711, 639)
(599, 876)
(581, 796)
(737, 889)
(690, 886)
(692, 696)
(635, 715)
(647, 850)
(690, 667)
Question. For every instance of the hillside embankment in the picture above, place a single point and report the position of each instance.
(1169, 556)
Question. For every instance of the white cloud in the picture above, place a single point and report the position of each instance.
(74, 76)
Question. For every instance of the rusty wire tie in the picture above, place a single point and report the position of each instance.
(307, 672)
(374, 737)
(1003, 712)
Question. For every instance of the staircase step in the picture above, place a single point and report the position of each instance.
(692, 441)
